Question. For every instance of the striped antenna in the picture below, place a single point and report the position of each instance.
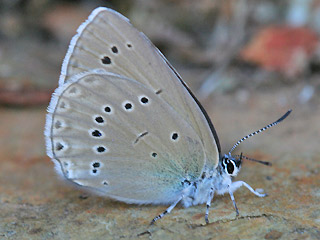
(261, 130)
(253, 160)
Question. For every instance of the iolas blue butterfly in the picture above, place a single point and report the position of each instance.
(124, 125)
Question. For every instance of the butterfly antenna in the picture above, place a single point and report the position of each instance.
(253, 160)
(260, 130)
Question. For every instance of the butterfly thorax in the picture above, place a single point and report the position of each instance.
(218, 181)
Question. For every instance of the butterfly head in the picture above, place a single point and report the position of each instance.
(231, 164)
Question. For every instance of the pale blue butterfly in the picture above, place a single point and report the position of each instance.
(123, 124)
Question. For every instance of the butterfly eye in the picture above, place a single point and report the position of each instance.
(230, 167)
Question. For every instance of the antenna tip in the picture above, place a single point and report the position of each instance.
(268, 164)
(288, 112)
(284, 116)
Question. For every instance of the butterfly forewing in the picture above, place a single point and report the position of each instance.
(108, 41)
(118, 138)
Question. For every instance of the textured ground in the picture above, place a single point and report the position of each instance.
(34, 204)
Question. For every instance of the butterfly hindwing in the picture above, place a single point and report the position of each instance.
(119, 138)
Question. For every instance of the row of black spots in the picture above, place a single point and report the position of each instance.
(98, 149)
(100, 120)
(95, 171)
(107, 59)
(96, 166)
(127, 105)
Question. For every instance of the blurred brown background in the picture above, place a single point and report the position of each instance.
(248, 61)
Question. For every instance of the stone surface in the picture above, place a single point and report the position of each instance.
(35, 204)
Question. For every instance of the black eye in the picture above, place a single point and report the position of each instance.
(230, 167)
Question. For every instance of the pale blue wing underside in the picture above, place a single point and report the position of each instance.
(140, 160)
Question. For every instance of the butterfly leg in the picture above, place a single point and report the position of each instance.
(166, 211)
(234, 203)
(235, 185)
(208, 205)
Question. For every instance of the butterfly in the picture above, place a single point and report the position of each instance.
(123, 124)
